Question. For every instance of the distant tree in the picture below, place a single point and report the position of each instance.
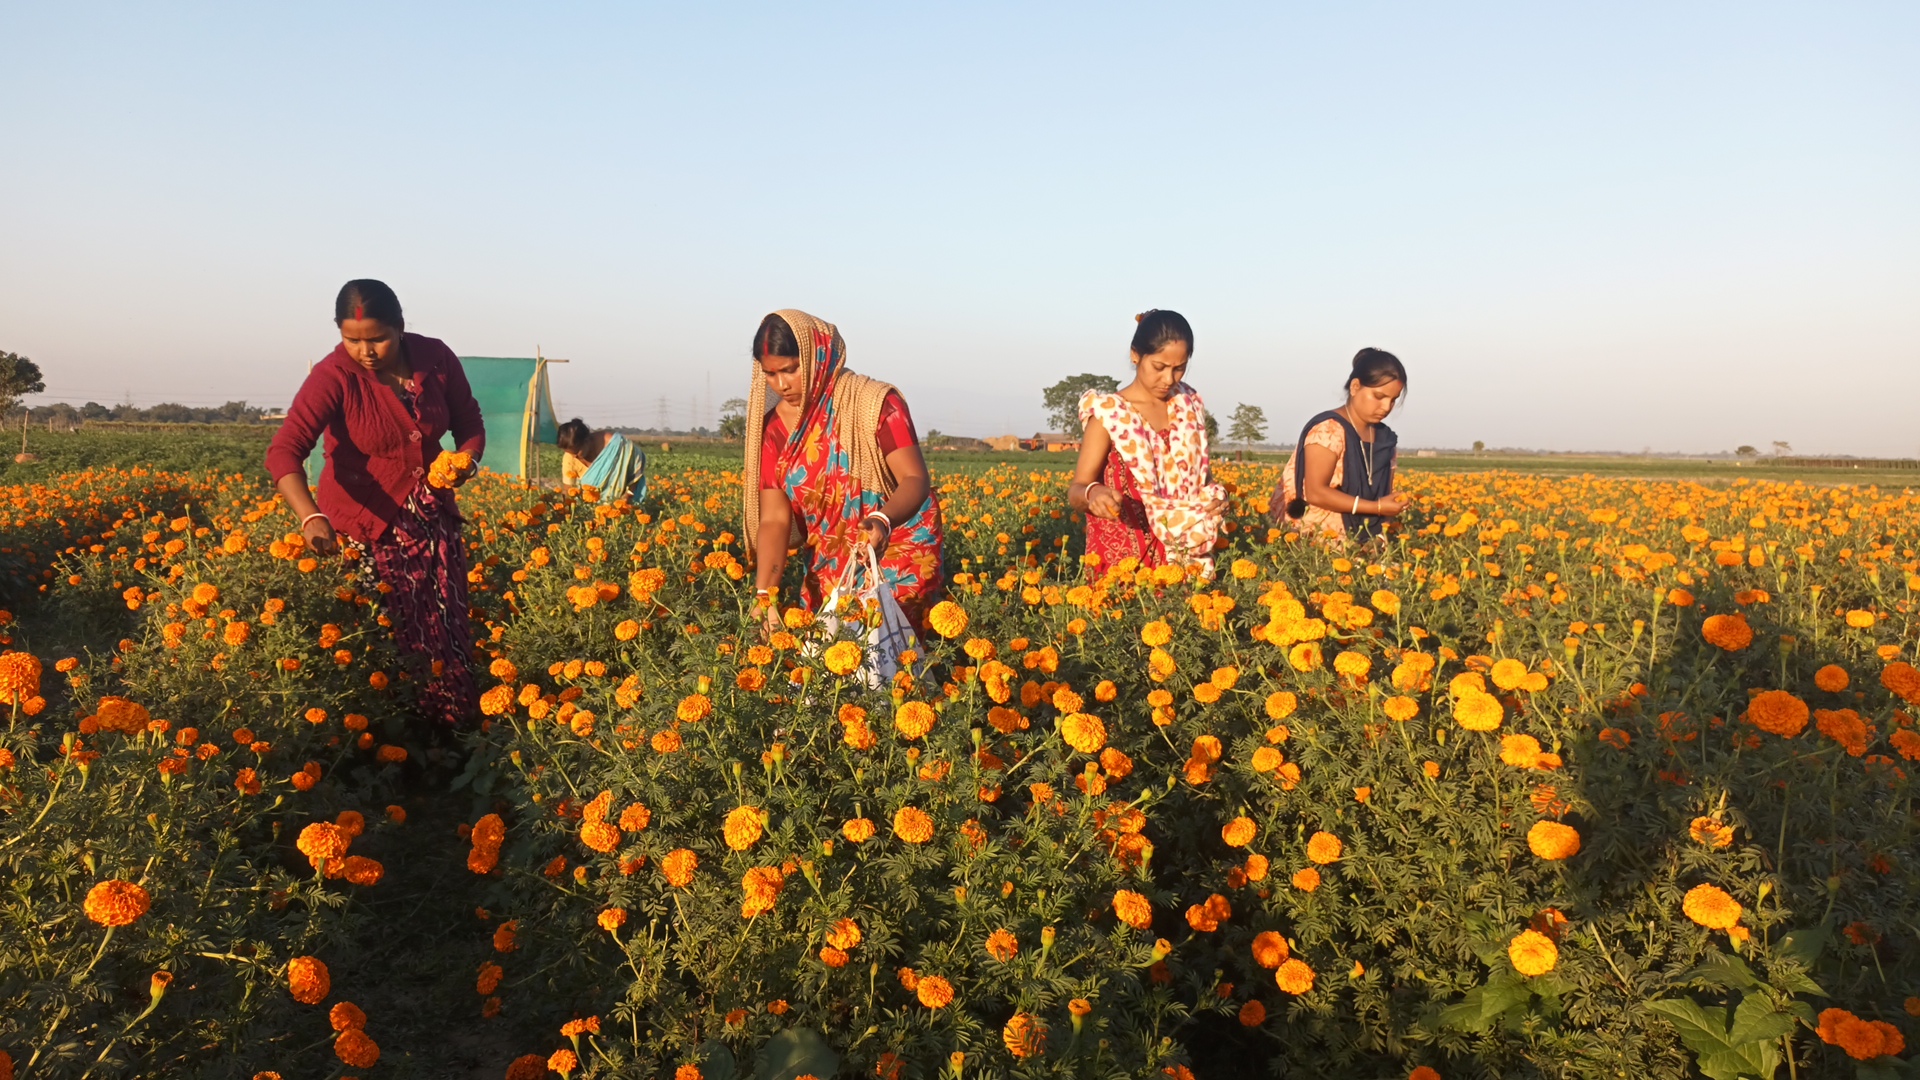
(1249, 424)
(93, 410)
(1062, 399)
(1479, 446)
(733, 419)
(1213, 428)
(1782, 448)
(1747, 451)
(19, 377)
(936, 437)
(170, 413)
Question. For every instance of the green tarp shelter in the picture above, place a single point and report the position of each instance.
(515, 404)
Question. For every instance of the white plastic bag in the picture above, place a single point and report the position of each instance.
(861, 607)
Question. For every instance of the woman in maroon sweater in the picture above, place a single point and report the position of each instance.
(382, 399)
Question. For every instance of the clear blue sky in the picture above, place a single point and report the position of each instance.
(1678, 226)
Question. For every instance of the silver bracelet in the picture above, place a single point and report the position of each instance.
(315, 514)
(1356, 505)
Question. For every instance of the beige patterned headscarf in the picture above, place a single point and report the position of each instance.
(856, 402)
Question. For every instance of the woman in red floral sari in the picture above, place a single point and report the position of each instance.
(833, 463)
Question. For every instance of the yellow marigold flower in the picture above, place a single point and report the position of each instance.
(308, 980)
(116, 903)
(694, 708)
(1833, 678)
(1729, 632)
(1281, 704)
(1508, 674)
(1860, 620)
(1243, 570)
(1401, 708)
(1778, 712)
(1714, 834)
(857, 830)
(1269, 949)
(843, 657)
(1711, 907)
(1241, 830)
(1266, 759)
(914, 719)
(1133, 909)
(1084, 732)
(1553, 841)
(1023, 1036)
(1156, 633)
(1352, 664)
(678, 867)
(1305, 656)
(1477, 711)
(934, 992)
(744, 827)
(1385, 603)
(912, 825)
(844, 934)
(1002, 945)
(1294, 977)
(1520, 751)
(948, 619)
(1533, 953)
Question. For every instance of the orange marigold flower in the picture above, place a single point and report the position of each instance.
(1294, 977)
(489, 978)
(1281, 704)
(694, 708)
(357, 1049)
(116, 903)
(1778, 712)
(1241, 830)
(1729, 632)
(678, 866)
(934, 992)
(1903, 679)
(1833, 678)
(948, 619)
(612, 919)
(1477, 710)
(1553, 841)
(363, 871)
(912, 825)
(1711, 907)
(914, 719)
(1306, 880)
(1133, 909)
(744, 826)
(1324, 848)
(323, 840)
(1401, 708)
(1269, 949)
(1533, 953)
(345, 1016)
(563, 1061)
(1024, 1036)
(1084, 732)
(844, 934)
(857, 830)
(1002, 945)
(1706, 830)
(308, 980)
(506, 937)
(1156, 633)
(761, 886)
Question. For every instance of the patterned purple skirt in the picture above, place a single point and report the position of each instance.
(423, 560)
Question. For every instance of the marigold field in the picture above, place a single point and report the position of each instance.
(1578, 777)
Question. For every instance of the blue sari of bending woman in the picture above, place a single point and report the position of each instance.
(619, 471)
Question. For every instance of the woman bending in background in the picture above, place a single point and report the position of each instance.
(1142, 477)
(834, 462)
(381, 400)
(604, 460)
(1338, 483)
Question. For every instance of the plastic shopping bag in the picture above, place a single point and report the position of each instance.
(861, 607)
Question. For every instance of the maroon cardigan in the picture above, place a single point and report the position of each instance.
(376, 453)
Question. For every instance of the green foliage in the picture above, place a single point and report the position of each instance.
(1062, 400)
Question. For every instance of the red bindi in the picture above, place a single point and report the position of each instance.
(359, 311)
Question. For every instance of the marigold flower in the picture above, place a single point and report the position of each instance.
(1024, 1036)
(363, 871)
(116, 903)
(1294, 977)
(844, 934)
(563, 1061)
(1133, 909)
(308, 980)
(1832, 678)
(1002, 945)
(357, 1049)
(948, 619)
(1400, 708)
(1206, 918)
(744, 826)
(934, 992)
(612, 919)
(678, 867)
(506, 936)
(1729, 632)
(1863, 1040)
(857, 830)
(1778, 712)
(1324, 848)
(1084, 732)
(843, 657)
(761, 886)
(1307, 879)
(1903, 679)
(345, 1016)
(1553, 841)
(1241, 830)
(1706, 830)
(1478, 711)
(914, 719)
(1533, 953)
(489, 978)
(694, 708)
(1253, 1014)
(1711, 907)
(1269, 949)
(912, 825)
(1156, 633)
(1305, 656)
(1281, 704)
(1520, 751)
